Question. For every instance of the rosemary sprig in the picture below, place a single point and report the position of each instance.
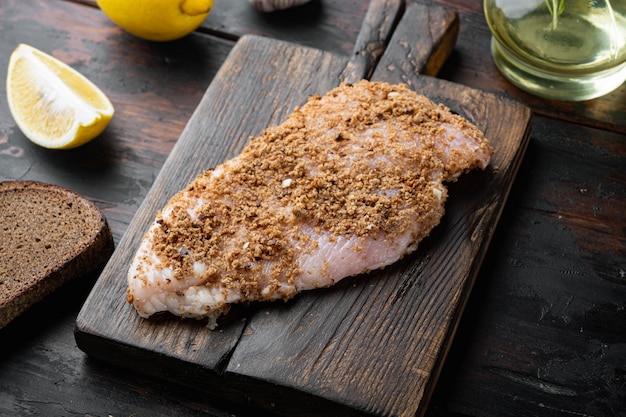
(560, 7)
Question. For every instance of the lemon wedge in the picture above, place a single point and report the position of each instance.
(157, 20)
(54, 105)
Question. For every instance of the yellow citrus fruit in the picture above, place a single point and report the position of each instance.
(157, 20)
(53, 104)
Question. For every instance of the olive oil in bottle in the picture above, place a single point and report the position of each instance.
(560, 49)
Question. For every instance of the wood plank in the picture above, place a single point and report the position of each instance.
(548, 314)
(326, 25)
(329, 25)
(117, 169)
(291, 357)
(423, 41)
(535, 329)
(284, 75)
(377, 343)
(371, 44)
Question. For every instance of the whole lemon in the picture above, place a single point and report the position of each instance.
(157, 20)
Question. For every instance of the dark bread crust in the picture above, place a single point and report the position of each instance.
(48, 236)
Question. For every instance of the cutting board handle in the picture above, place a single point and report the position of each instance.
(433, 31)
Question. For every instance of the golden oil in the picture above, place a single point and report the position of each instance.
(560, 49)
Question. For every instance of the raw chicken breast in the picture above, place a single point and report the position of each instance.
(350, 182)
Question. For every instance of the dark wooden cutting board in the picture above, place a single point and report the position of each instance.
(371, 345)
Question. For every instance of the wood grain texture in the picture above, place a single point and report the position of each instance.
(371, 345)
(423, 40)
(323, 24)
(330, 25)
(380, 22)
(377, 346)
(556, 279)
(117, 169)
(237, 105)
(542, 333)
(155, 87)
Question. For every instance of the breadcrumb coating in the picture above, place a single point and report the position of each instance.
(365, 161)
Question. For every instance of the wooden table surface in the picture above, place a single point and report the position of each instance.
(544, 331)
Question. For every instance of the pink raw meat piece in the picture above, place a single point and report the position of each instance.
(350, 182)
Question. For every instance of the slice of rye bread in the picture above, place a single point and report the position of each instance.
(48, 236)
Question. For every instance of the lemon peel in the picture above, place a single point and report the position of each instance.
(196, 7)
(157, 20)
(53, 104)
